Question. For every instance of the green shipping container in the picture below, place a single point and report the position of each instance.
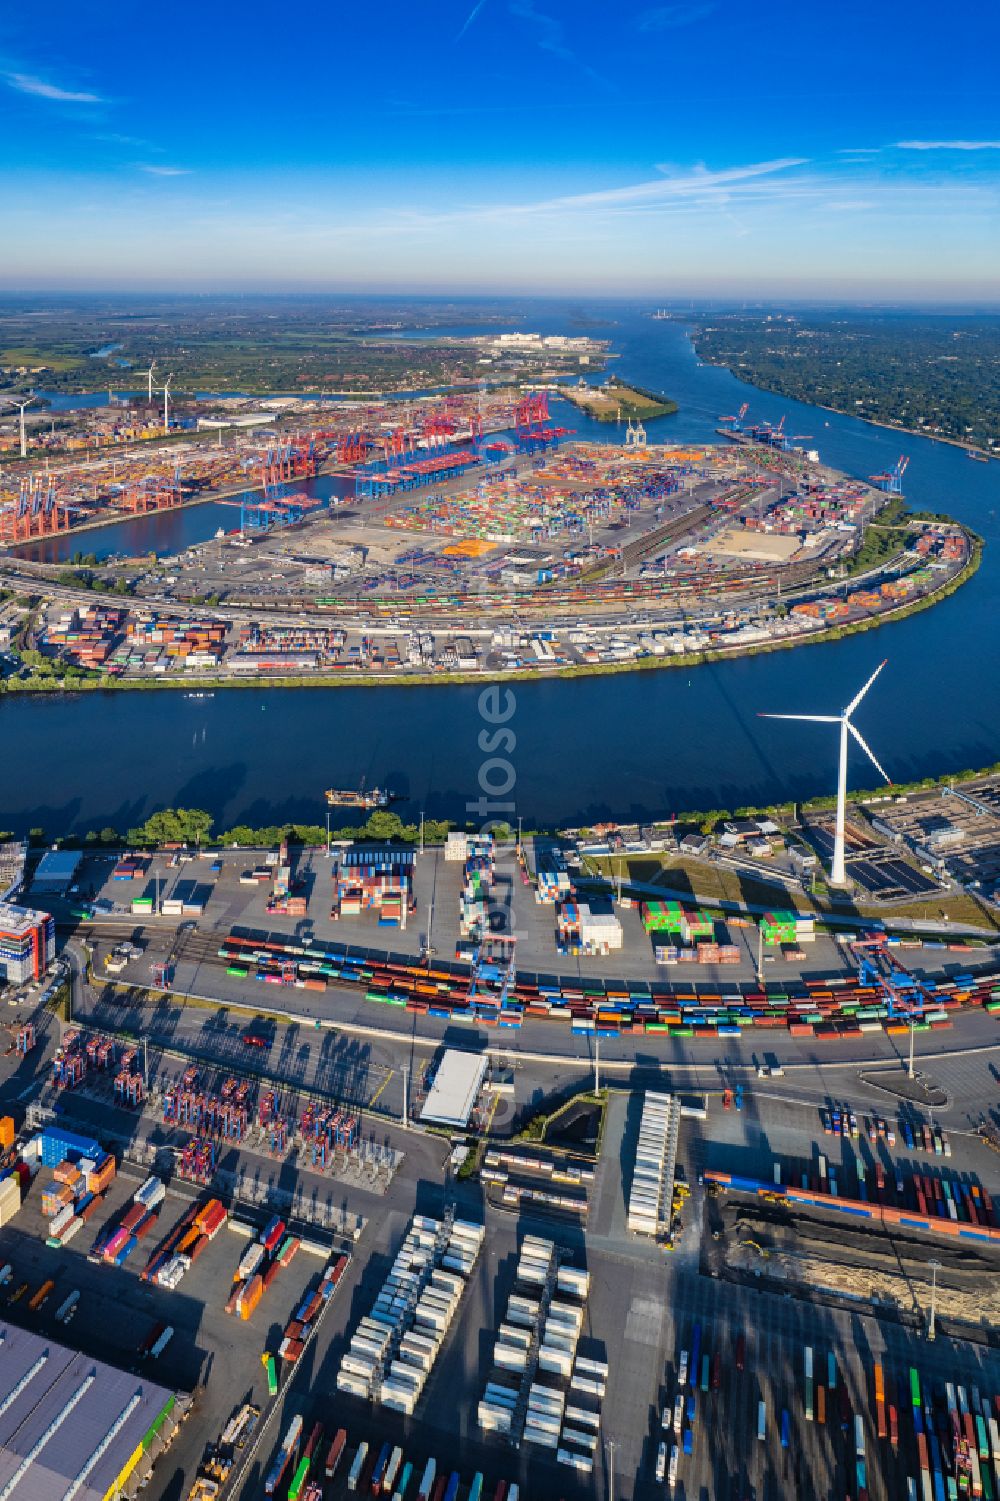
(298, 1480)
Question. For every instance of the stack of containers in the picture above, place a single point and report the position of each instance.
(394, 1349)
(69, 1202)
(477, 883)
(600, 932)
(300, 1327)
(137, 1222)
(249, 1295)
(172, 1259)
(377, 879)
(582, 1414)
(101, 1175)
(456, 846)
(259, 1265)
(778, 927)
(646, 1193)
(552, 1421)
(552, 879)
(516, 1335)
(56, 1145)
(10, 1196)
(568, 928)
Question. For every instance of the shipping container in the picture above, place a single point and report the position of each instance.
(354, 1473)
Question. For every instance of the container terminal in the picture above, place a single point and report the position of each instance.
(548, 556)
(650, 1195)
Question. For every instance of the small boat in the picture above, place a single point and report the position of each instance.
(980, 458)
(374, 797)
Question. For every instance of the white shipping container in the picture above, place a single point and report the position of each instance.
(540, 1437)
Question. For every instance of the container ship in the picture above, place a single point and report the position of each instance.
(374, 797)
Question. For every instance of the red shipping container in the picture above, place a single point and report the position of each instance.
(134, 1217)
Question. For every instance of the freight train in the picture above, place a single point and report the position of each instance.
(828, 1009)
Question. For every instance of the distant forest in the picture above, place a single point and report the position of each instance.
(937, 374)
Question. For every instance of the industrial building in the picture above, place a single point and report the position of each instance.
(56, 872)
(71, 1426)
(13, 855)
(455, 1090)
(27, 943)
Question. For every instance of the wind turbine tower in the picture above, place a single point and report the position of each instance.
(24, 431)
(838, 871)
(166, 404)
(149, 374)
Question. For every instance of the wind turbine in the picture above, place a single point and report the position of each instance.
(166, 404)
(24, 434)
(838, 873)
(149, 374)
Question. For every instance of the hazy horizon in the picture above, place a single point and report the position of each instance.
(505, 147)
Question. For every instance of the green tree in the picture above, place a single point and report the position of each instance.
(382, 824)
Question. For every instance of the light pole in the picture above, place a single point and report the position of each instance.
(913, 1032)
(406, 1098)
(421, 832)
(597, 1064)
(328, 833)
(935, 1267)
(609, 1444)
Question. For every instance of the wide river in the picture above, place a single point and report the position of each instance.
(633, 745)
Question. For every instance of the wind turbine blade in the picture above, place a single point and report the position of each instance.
(808, 718)
(859, 696)
(868, 752)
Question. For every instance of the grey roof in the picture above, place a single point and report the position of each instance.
(56, 869)
(57, 1409)
(455, 1089)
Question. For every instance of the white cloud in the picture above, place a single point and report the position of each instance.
(670, 185)
(666, 17)
(473, 13)
(550, 36)
(165, 171)
(948, 145)
(27, 83)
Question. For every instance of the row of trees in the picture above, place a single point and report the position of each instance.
(193, 826)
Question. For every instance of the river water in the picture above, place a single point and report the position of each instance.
(632, 745)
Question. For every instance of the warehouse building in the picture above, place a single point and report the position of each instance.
(56, 872)
(455, 1090)
(27, 944)
(71, 1426)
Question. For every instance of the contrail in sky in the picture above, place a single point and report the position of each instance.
(473, 13)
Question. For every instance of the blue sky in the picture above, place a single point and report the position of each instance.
(679, 149)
